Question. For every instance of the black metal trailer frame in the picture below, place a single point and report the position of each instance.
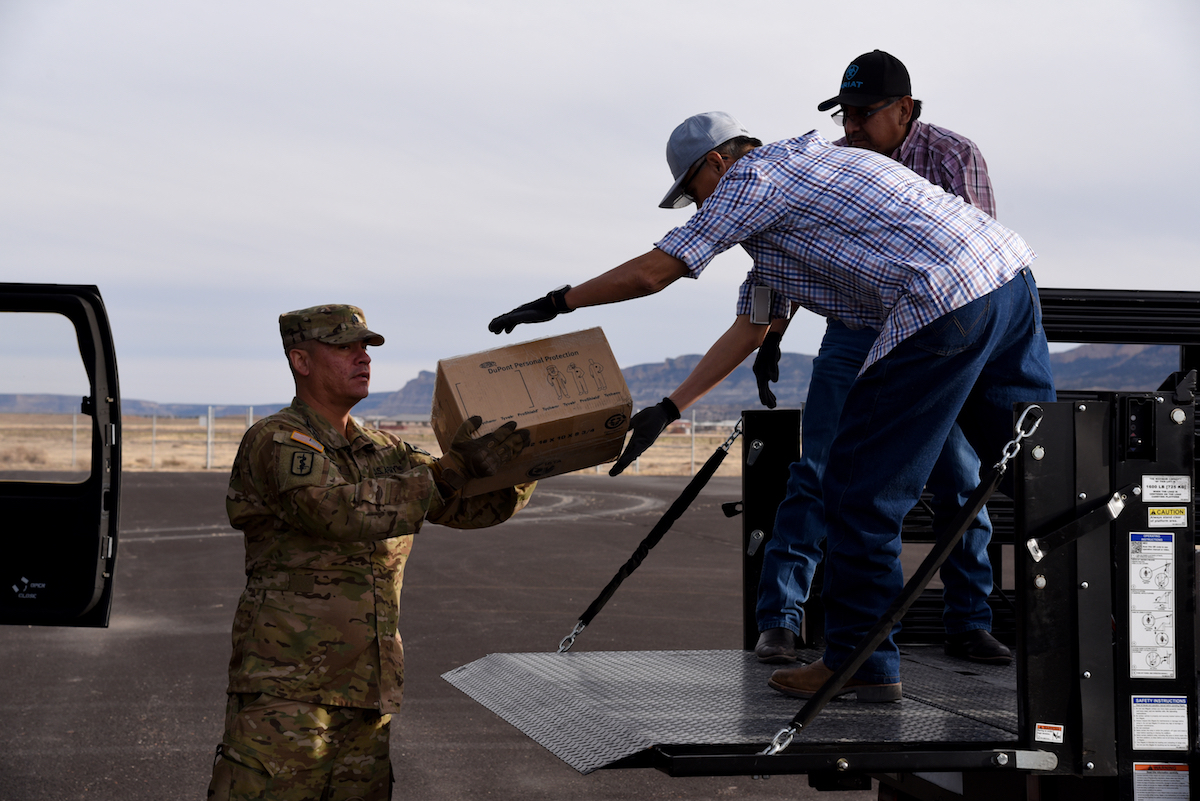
(1102, 698)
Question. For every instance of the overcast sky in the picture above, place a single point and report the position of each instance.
(211, 164)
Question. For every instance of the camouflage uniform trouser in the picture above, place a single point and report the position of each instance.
(284, 750)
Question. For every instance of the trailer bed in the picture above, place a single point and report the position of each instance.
(668, 709)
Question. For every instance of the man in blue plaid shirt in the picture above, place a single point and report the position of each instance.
(853, 235)
(879, 113)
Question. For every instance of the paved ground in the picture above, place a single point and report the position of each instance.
(134, 712)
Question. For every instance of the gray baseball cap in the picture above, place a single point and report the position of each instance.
(694, 137)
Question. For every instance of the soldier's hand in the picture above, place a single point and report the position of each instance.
(538, 311)
(646, 426)
(469, 457)
(766, 367)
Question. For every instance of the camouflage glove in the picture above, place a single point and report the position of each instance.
(766, 367)
(470, 458)
(539, 311)
(646, 426)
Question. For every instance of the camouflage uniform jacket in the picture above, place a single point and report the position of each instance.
(328, 525)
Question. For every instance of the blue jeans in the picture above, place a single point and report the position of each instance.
(796, 547)
(972, 365)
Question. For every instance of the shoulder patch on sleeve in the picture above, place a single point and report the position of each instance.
(302, 463)
(309, 441)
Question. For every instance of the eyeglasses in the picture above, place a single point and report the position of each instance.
(686, 186)
(840, 115)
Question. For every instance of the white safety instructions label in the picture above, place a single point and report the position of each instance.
(1048, 733)
(1152, 605)
(1160, 722)
(1166, 517)
(1166, 489)
(1160, 781)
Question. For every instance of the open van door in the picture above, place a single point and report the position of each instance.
(60, 456)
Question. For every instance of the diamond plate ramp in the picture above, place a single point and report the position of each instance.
(592, 709)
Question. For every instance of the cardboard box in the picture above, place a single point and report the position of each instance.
(567, 390)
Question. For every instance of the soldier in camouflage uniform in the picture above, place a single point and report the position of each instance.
(328, 509)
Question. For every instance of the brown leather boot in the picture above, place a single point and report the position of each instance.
(805, 681)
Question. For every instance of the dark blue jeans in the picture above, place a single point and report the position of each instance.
(971, 365)
(796, 547)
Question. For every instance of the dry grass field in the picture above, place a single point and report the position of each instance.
(63, 442)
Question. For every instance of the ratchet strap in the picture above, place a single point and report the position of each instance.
(660, 528)
(916, 585)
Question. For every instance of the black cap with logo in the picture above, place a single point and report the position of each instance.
(870, 78)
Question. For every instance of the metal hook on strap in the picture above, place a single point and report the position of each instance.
(569, 640)
(1014, 445)
(737, 432)
(783, 738)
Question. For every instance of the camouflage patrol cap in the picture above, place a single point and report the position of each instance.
(333, 324)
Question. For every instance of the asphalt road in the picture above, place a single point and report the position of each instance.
(134, 711)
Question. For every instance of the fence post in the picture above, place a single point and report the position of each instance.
(249, 416)
(637, 465)
(209, 444)
(153, 438)
(693, 441)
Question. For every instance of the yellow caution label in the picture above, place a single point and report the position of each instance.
(1166, 516)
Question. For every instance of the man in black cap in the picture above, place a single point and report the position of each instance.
(878, 113)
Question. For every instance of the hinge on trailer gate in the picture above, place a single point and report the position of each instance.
(1107, 512)
(1182, 385)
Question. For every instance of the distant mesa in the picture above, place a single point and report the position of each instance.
(66, 404)
(1128, 368)
(414, 398)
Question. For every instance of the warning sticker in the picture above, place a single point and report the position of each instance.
(1160, 781)
(1152, 653)
(1160, 722)
(1166, 489)
(1166, 517)
(1048, 733)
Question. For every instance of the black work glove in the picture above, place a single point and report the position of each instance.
(469, 458)
(539, 311)
(766, 367)
(646, 425)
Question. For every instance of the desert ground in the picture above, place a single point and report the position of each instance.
(63, 442)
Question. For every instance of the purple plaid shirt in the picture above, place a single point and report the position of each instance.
(947, 159)
(849, 234)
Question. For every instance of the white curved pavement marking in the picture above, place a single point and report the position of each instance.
(562, 509)
(565, 507)
(165, 533)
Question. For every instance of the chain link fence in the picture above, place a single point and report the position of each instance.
(63, 443)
